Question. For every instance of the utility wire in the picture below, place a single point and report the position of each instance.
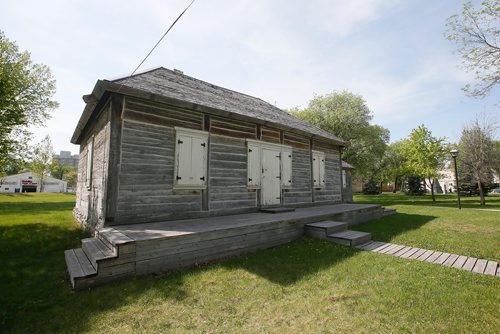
(159, 41)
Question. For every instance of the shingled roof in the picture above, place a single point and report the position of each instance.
(176, 85)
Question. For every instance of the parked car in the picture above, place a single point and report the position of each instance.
(495, 191)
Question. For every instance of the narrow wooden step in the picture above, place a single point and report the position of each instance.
(78, 265)
(96, 250)
(350, 238)
(323, 228)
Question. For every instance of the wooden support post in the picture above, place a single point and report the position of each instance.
(113, 182)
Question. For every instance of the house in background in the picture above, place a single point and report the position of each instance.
(28, 182)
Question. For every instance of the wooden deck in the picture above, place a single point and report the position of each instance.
(138, 249)
(473, 264)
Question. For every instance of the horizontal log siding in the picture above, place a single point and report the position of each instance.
(296, 141)
(228, 175)
(270, 135)
(146, 176)
(232, 128)
(301, 179)
(162, 114)
(331, 192)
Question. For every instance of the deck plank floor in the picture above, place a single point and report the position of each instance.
(173, 228)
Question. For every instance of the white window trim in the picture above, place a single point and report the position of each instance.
(179, 131)
(272, 146)
(90, 163)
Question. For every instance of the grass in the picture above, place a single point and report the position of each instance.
(306, 286)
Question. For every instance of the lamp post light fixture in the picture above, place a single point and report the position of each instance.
(454, 154)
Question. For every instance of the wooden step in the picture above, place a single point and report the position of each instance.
(350, 238)
(96, 250)
(79, 266)
(323, 228)
(388, 212)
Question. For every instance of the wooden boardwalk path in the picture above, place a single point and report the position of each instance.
(473, 264)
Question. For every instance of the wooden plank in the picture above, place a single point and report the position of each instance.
(480, 266)
(417, 254)
(491, 268)
(433, 257)
(387, 249)
(381, 247)
(402, 251)
(410, 252)
(449, 261)
(441, 258)
(469, 264)
(394, 250)
(85, 264)
(374, 245)
(459, 262)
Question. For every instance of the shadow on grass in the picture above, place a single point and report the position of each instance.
(385, 229)
(35, 291)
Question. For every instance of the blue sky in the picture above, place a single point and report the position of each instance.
(391, 52)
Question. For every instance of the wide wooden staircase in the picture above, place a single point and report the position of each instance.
(108, 256)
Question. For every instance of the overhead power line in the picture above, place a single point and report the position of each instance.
(162, 37)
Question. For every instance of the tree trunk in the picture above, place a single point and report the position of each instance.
(431, 181)
(395, 185)
(482, 201)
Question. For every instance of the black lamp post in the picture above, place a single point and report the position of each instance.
(454, 154)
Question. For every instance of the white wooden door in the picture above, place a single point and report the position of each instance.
(270, 185)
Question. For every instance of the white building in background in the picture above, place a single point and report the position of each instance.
(28, 182)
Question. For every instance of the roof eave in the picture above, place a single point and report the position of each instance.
(103, 86)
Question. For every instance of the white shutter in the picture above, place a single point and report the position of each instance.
(254, 166)
(198, 161)
(286, 168)
(191, 149)
(184, 171)
(319, 169)
(315, 167)
(322, 170)
(344, 179)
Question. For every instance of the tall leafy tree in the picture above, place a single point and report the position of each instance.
(26, 91)
(346, 115)
(476, 32)
(42, 160)
(425, 155)
(477, 155)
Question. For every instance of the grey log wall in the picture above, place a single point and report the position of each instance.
(140, 183)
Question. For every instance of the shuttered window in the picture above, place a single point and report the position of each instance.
(318, 168)
(191, 147)
(286, 168)
(90, 153)
(254, 166)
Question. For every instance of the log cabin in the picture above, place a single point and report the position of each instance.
(175, 172)
(161, 145)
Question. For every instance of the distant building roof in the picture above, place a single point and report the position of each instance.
(175, 85)
(346, 165)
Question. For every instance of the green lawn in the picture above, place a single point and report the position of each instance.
(306, 286)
